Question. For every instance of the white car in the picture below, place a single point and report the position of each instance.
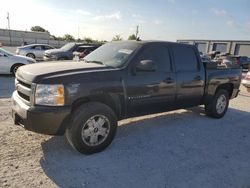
(9, 63)
(246, 81)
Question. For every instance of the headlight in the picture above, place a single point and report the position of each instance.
(49, 95)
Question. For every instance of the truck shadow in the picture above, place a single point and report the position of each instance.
(179, 149)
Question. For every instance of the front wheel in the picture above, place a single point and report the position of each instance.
(14, 69)
(92, 128)
(218, 105)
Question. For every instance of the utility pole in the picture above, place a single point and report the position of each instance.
(8, 18)
(137, 31)
(78, 32)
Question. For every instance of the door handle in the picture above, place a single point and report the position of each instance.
(198, 78)
(169, 80)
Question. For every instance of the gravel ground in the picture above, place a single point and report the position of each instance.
(183, 148)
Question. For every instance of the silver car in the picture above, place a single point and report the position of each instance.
(9, 62)
(35, 51)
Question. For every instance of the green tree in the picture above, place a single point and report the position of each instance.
(117, 38)
(88, 40)
(38, 29)
(132, 37)
(59, 38)
(68, 37)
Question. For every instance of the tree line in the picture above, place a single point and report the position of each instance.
(68, 37)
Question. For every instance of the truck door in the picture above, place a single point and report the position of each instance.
(190, 75)
(151, 91)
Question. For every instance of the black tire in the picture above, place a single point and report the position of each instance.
(14, 68)
(211, 108)
(79, 120)
(31, 55)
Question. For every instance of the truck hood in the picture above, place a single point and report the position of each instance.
(33, 72)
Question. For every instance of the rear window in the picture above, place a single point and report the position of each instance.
(185, 58)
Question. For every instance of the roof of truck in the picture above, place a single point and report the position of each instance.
(151, 41)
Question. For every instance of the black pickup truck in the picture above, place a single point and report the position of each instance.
(118, 80)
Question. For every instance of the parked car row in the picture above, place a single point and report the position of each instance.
(68, 50)
(32, 53)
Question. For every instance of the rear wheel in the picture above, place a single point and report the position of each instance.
(218, 105)
(92, 128)
(31, 55)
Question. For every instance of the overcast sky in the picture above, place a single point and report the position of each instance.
(159, 19)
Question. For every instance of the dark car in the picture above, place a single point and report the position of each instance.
(84, 51)
(65, 52)
(243, 61)
(117, 81)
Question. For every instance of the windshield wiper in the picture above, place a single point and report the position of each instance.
(96, 62)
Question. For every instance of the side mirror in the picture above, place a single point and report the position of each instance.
(146, 66)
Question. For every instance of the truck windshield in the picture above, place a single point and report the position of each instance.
(114, 54)
(68, 46)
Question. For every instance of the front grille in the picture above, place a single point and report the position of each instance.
(24, 91)
(27, 98)
(24, 84)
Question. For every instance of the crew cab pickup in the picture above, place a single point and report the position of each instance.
(119, 80)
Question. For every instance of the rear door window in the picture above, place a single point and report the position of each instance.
(37, 47)
(185, 58)
(47, 47)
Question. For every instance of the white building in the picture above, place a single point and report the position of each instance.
(235, 47)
